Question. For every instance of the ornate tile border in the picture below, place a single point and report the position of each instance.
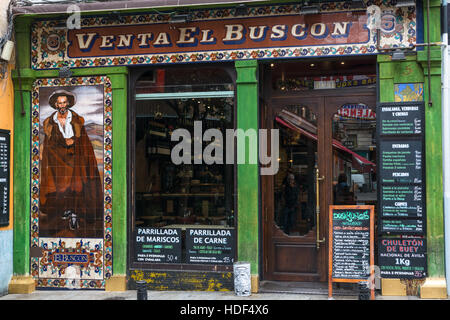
(92, 257)
(398, 29)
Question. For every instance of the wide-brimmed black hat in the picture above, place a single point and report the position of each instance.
(59, 93)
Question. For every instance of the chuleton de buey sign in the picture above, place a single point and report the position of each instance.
(297, 30)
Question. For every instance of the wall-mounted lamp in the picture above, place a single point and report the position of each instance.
(180, 18)
(309, 9)
(65, 72)
(405, 3)
(398, 55)
(241, 10)
(357, 4)
(60, 25)
(114, 17)
(7, 50)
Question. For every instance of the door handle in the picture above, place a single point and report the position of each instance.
(318, 240)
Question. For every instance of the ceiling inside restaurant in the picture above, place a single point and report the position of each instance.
(363, 65)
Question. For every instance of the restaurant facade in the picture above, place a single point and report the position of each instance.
(205, 135)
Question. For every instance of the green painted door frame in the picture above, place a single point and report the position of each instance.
(247, 174)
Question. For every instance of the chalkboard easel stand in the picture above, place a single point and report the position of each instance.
(371, 228)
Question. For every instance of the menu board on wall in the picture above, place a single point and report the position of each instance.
(351, 245)
(402, 201)
(210, 246)
(158, 245)
(402, 258)
(5, 163)
(402, 226)
(401, 161)
(401, 118)
(401, 167)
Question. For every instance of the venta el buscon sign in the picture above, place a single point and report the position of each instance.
(216, 35)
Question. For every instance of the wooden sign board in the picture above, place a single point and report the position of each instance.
(351, 245)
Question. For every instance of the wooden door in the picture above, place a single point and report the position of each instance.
(294, 245)
(290, 199)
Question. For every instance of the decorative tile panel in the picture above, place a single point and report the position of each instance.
(89, 259)
(266, 32)
(408, 92)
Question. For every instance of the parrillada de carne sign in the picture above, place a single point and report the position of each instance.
(210, 245)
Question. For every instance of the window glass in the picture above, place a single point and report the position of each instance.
(295, 194)
(332, 73)
(195, 194)
(354, 155)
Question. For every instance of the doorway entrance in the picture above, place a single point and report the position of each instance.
(318, 167)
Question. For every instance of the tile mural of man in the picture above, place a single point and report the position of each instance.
(71, 194)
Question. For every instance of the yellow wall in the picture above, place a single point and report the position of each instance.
(7, 123)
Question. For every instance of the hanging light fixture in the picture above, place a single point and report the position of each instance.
(405, 3)
(309, 9)
(180, 18)
(398, 55)
(357, 4)
(241, 10)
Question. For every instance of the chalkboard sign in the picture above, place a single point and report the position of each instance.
(210, 246)
(407, 226)
(351, 244)
(401, 118)
(4, 176)
(401, 161)
(402, 201)
(161, 245)
(402, 258)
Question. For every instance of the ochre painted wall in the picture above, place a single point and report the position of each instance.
(6, 232)
(7, 123)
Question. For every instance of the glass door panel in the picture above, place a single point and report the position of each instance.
(294, 184)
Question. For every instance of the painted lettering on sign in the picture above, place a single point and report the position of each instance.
(70, 258)
(358, 111)
(338, 28)
(402, 258)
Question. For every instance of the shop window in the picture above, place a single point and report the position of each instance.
(196, 198)
(330, 73)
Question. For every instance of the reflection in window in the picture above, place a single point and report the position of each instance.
(294, 183)
(184, 195)
(354, 154)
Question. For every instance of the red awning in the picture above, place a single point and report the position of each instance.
(359, 162)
